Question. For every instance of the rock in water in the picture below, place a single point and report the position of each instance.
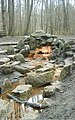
(23, 90)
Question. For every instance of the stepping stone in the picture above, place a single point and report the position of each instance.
(23, 90)
(4, 60)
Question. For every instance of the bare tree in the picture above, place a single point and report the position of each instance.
(42, 16)
(29, 16)
(20, 23)
(3, 15)
(51, 23)
(65, 17)
(13, 30)
(46, 16)
(11, 16)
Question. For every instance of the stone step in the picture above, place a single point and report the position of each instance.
(8, 43)
(3, 51)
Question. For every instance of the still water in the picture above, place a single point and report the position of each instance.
(36, 98)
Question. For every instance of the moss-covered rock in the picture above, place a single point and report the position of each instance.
(7, 84)
(67, 70)
(25, 51)
(10, 50)
(7, 69)
(19, 57)
(20, 45)
(23, 90)
(39, 79)
(48, 91)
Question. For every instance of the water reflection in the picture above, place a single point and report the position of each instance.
(36, 98)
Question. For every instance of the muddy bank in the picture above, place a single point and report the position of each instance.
(63, 107)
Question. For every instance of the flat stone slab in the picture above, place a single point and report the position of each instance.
(43, 69)
(8, 43)
(21, 69)
(5, 109)
(4, 60)
(11, 56)
(23, 90)
(39, 79)
(3, 52)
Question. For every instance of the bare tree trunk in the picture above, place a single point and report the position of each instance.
(51, 23)
(67, 13)
(9, 11)
(46, 16)
(58, 18)
(35, 16)
(25, 11)
(20, 25)
(3, 15)
(11, 16)
(29, 16)
(13, 29)
(65, 18)
(42, 16)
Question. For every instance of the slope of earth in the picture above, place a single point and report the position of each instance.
(63, 107)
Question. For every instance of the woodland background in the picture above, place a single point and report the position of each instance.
(22, 17)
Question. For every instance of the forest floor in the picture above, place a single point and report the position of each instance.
(63, 107)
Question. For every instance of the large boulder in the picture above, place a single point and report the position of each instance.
(67, 70)
(57, 43)
(20, 45)
(26, 40)
(7, 84)
(21, 69)
(67, 46)
(25, 51)
(56, 52)
(62, 72)
(23, 90)
(71, 42)
(39, 79)
(50, 90)
(10, 50)
(19, 57)
(40, 38)
(4, 60)
(7, 69)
